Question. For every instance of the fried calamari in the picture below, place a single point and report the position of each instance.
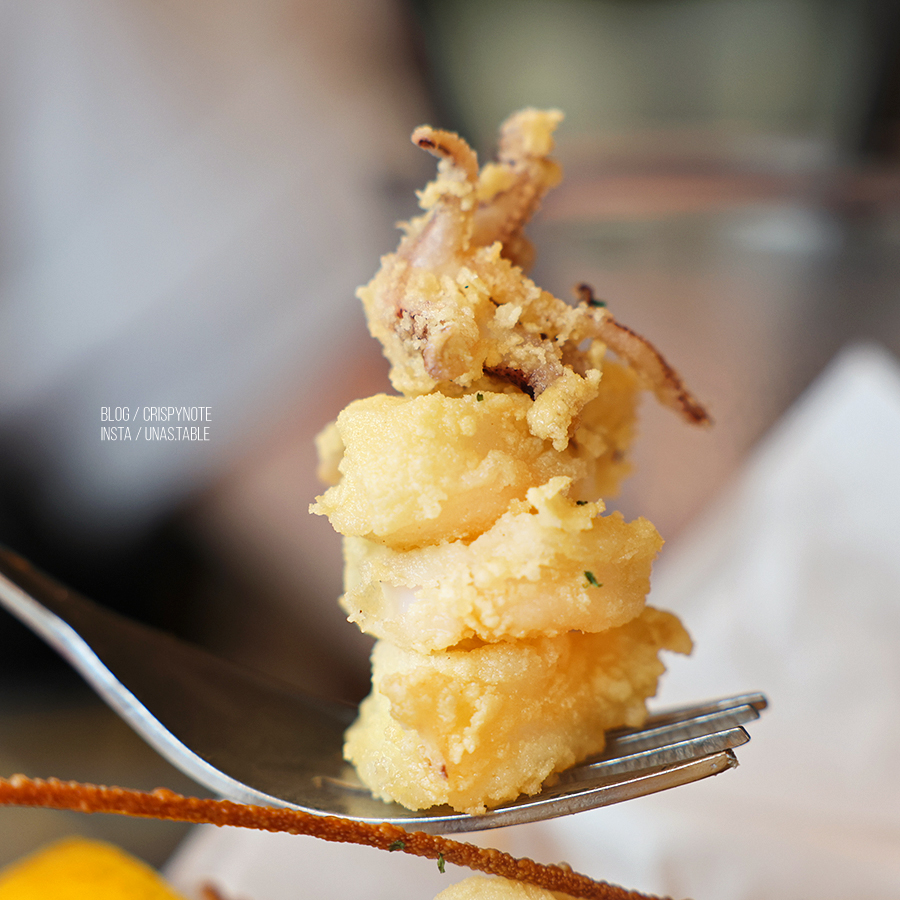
(455, 311)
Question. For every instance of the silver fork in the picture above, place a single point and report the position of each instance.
(252, 739)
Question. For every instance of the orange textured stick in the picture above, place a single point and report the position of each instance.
(164, 804)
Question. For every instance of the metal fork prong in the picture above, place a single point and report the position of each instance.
(680, 713)
(671, 732)
(748, 705)
(629, 786)
(563, 799)
(656, 757)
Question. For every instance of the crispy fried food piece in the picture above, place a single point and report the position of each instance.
(416, 471)
(164, 804)
(455, 311)
(508, 609)
(476, 727)
(548, 565)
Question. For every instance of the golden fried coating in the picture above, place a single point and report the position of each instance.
(546, 566)
(417, 471)
(509, 608)
(474, 728)
(454, 310)
(164, 804)
(412, 472)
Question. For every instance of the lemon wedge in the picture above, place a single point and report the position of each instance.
(79, 869)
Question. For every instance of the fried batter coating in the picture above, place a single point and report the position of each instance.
(164, 804)
(416, 471)
(547, 566)
(455, 311)
(474, 728)
(509, 609)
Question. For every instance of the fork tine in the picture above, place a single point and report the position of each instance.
(756, 700)
(627, 787)
(647, 738)
(694, 747)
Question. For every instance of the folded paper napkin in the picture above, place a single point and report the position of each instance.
(790, 586)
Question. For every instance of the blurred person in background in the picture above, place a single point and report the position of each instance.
(189, 195)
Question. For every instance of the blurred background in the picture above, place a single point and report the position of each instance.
(190, 193)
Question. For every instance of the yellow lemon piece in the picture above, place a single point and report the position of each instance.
(78, 869)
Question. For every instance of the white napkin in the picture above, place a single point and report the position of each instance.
(791, 586)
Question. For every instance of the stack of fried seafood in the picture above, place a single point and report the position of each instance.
(508, 605)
